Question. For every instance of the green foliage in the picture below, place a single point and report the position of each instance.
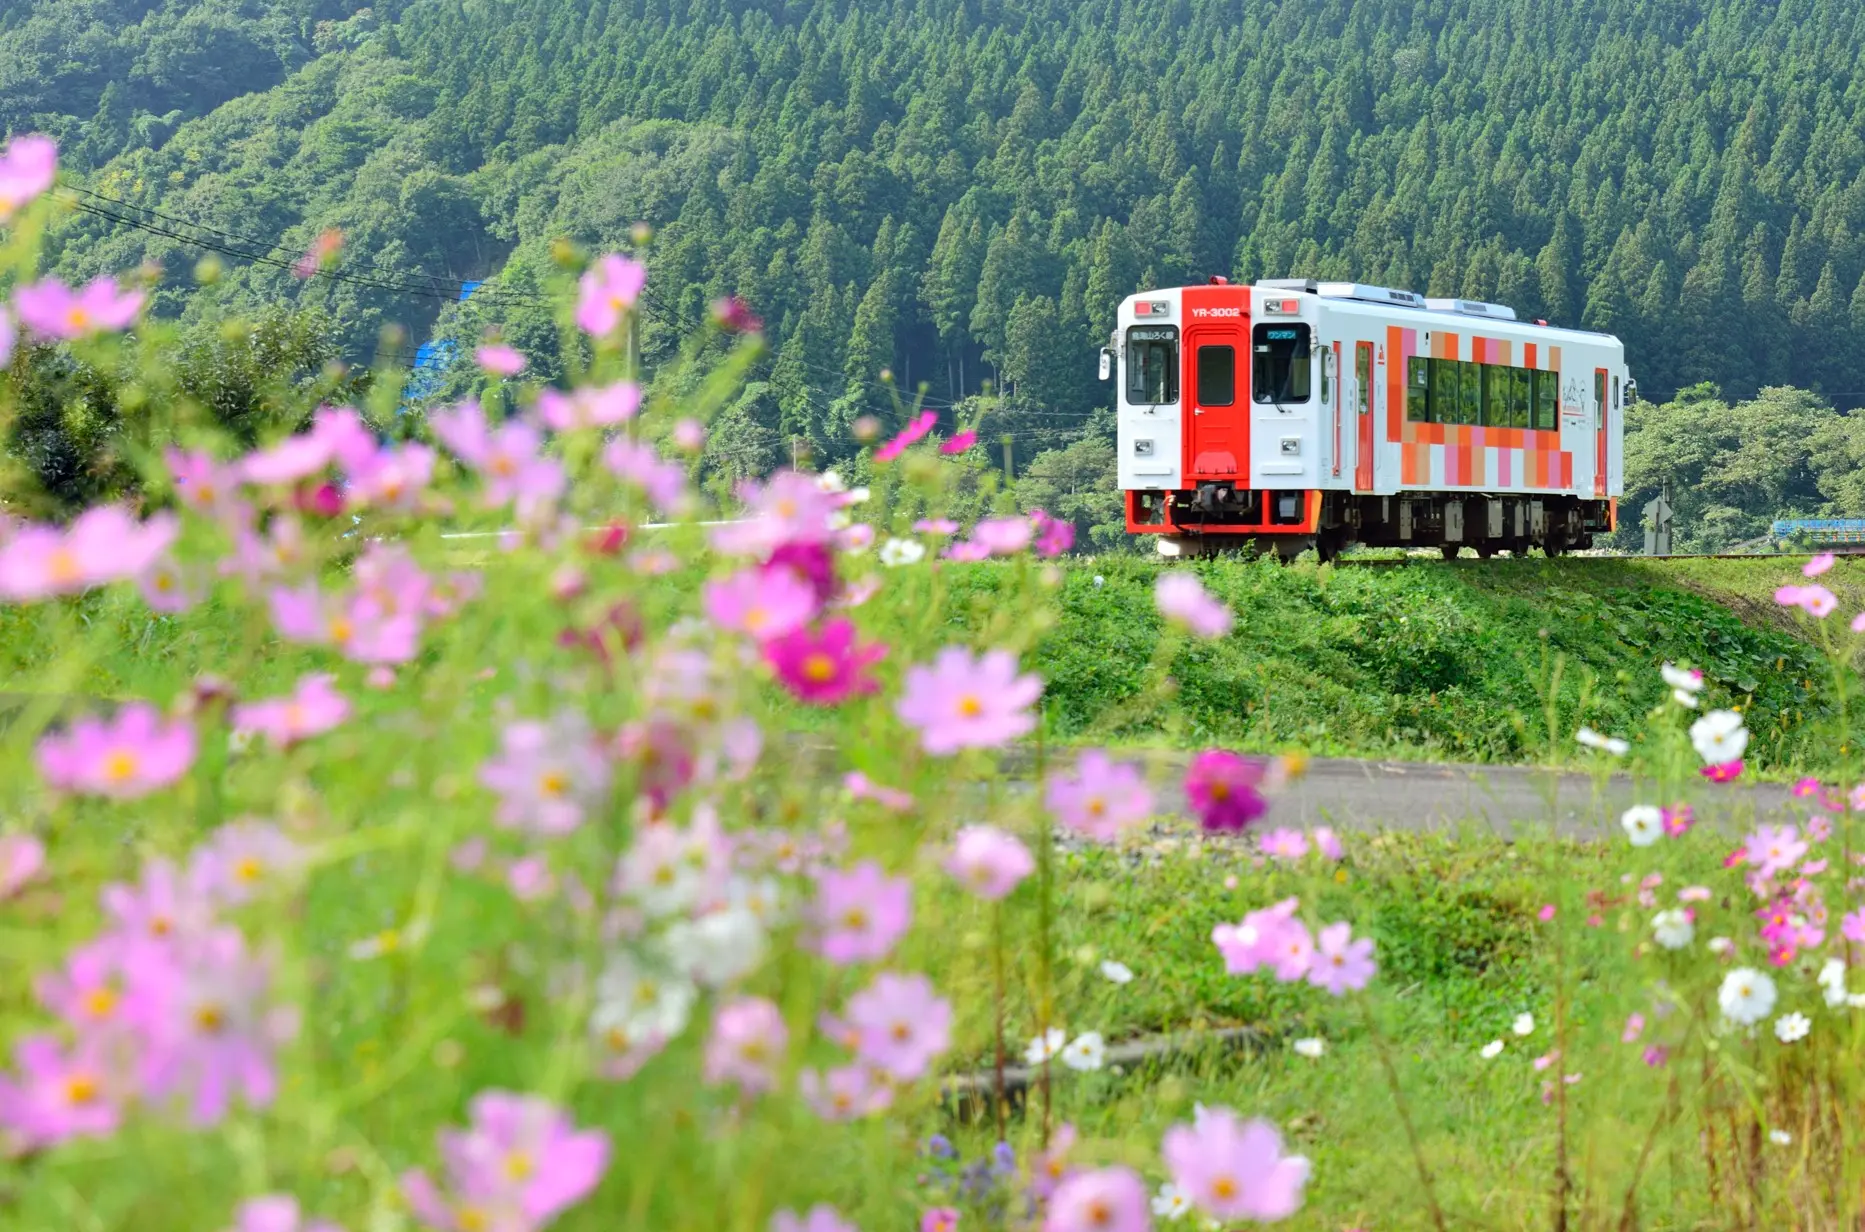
(959, 194)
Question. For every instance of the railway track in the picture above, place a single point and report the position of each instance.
(1370, 562)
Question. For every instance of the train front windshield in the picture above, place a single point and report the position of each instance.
(1152, 364)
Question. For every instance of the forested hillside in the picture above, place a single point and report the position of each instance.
(957, 191)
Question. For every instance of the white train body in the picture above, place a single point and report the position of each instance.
(1300, 413)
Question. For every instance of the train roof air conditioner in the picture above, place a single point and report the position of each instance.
(1472, 308)
(1287, 284)
(1371, 295)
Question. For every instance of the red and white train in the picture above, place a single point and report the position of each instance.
(1296, 414)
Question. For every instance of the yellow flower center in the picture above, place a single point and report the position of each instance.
(503, 466)
(64, 567)
(553, 783)
(80, 1088)
(855, 917)
(1224, 1188)
(210, 1018)
(120, 766)
(819, 668)
(518, 1166)
(617, 1039)
(471, 1219)
(970, 707)
(341, 631)
(756, 618)
(1097, 807)
(1220, 791)
(249, 870)
(78, 318)
(100, 1001)
(902, 1032)
(1099, 1214)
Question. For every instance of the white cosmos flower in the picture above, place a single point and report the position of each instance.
(1719, 737)
(1720, 946)
(388, 941)
(831, 482)
(1684, 680)
(897, 552)
(1117, 972)
(1607, 744)
(1672, 929)
(1789, 1028)
(1746, 996)
(1856, 1000)
(1832, 980)
(1491, 1050)
(1312, 1047)
(1170, 1203)
(718, 948)
(1643, 823)
(1780, 1137)
(1086, 1052)
(1045, 1046)
(1684, 698)
(640, 1003)
(1524, 1024)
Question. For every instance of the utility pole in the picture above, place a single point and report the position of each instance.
(1658, 518)
(1009, 471)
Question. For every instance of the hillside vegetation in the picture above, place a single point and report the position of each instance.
(958, 191)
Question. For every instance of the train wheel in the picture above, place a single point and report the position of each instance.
(1553, 547)
(1485, 550)
(1327, 547)
(1449, 550)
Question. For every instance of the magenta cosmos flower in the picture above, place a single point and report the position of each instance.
(499, 359)
(735, 316)
(518, 1166)
(58, 1094)
(760, 603)
(547, 775)
(1340, 963)
(313, 708)
(748, 1039)
(1101, 1200)
(277, 1213)
(900, 1024)
(1222, 789)
(607, 290)
(989, 862)
(914, 432)
(103, 545)
(819, 1219)
(825, 666)
(1232, 1169)
(959, 701)
(129, 755)
(1183, 600)
(53, 311)
(1054, 536)
(859, 914)
(27, 169)
(1102, 797)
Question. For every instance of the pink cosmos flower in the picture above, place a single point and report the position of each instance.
(590, 406)
(735, 316)
(819, 1219)
(1233, 1169)
(1049, 1167)
(52, 311)
(22, 856)
(1677, 820)
(688, 435)
(1657, 1055)
(967, 553)
(1818, 565)
(164, 904)
(901, 1024)
(1852, 926)
(517, 1166)
(1292, 953)
(1102, 797)
(959, 701)
(606, 290)
(312, 709)
(860, 913)
(789, 508)
(748, 1039)
(391, 478)
(202, 483)
(105, 544)
(277, 1213)
(1054, 536)
(1284, 844)
(1003, 536)
(1340, 963)
(1328, 843)
(760, 603)
(129, 755)
(244, 859)
(811, 563)
(1806, 788)
(27, 168)
(1694, 894)
(1816, 600)
(914, 432)
(59, 1094)
(337, 435)
(1634, 1027)
(1774, 849)
(102, 991)
(219, 1034)
(861, 787)
(1858, 623)
(989, 862)
(1099, 1200)
(165, 588)
(844, 1093)
(1257, 940)
(499, 359)
(547, 775)
(1546, 914)
(1723, 772)
(939, 1219)
(1819, 828)
(359, 630)
(936, 526)
(824, 666)
(1182, 598)
(321, 255)
(957, 445)
(1222, 789)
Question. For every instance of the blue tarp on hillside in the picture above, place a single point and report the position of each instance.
(432, 360)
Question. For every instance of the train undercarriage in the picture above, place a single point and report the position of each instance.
(1220, 518)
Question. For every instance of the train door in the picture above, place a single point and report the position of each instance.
(1215, 357)
(1363, 416)
(1600, 411)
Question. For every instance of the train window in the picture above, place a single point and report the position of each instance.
(1547, 401)
(1363, 376)
(1472, 385)
(1615, 393)
(1217, 375)
(1152, 364)
(1444, 391)
(1417, 389)
(1284, 363)
(1495, 395)
(1599, 396)
(1521, 397)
